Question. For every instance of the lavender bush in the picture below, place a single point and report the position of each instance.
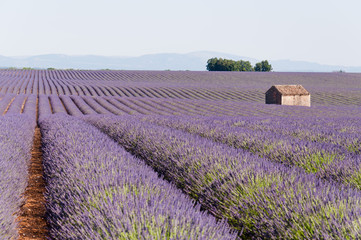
(325, 160)
(16, 105)
(265, 200)
(5, 101)
(56, 104)
(82, 105)
(270, 170)
(44, 106)
(96, 106)
(343, 131)
(96, 190)
(30, 107)
(70, 106)
(16, 139)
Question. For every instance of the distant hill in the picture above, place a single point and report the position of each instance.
(194, 61)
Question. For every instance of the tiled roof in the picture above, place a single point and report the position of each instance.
(290, 89)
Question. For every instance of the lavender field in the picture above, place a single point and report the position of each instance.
(182, 155)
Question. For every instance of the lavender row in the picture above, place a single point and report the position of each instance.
(16, 138)
(326, 161)
(55, 85)
(344, 132)
(44, 106)
(82, 105)
(56, 104)
(79, 105)
(347, 125)
(30, 107)
(96, 190)
(5, 101)
(340, 90)
(70, 106)
(16, 105)
(262, 199)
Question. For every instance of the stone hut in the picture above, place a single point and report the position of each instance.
(288, 95)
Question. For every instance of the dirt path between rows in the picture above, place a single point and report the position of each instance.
(32, 223)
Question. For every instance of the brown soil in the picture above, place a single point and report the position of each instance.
(32, 223)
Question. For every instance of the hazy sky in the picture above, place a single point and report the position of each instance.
(323, 31)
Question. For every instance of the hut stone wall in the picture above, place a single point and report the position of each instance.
(273, 97)
(299, 100)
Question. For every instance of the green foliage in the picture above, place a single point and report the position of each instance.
(317, 161)
(220, 64)
(215, 64)
(244, 66)
(263, 66)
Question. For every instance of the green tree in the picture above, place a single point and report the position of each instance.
(215, 64)
(211, 64)
(244, 66)
(263, 66)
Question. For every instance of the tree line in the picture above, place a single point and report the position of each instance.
(220, 64)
